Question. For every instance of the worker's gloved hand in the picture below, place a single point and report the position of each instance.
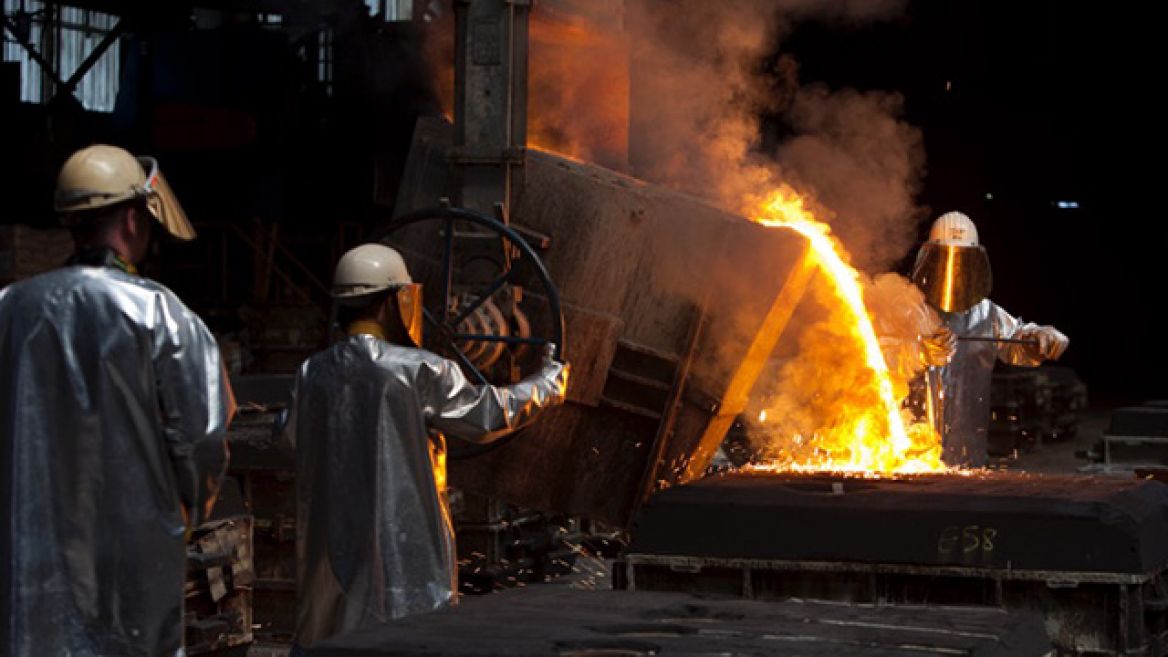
(1051, 342)
(549, 354)
(555, 371)
(938, 349)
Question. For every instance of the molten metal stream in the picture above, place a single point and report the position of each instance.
(872, 449)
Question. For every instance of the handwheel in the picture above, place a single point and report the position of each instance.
(465, 295)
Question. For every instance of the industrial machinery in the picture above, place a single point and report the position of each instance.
(1090, 554)
(646, 279)
(676, 310)
(641, 275)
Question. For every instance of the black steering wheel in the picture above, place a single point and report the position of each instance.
(462, 319)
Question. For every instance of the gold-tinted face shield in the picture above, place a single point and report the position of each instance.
(163, 204)
(952, 278)
(409, 306)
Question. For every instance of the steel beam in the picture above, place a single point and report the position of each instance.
(48, 68)
(490, 106)
(68, 86)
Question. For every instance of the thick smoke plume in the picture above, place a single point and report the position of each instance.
(675, 91)
(703, 75)
(851, 153)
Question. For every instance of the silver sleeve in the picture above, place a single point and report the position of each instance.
(1008, 327)
(483, 414)
(196, 402)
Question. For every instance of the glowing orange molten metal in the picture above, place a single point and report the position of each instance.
(872, 435)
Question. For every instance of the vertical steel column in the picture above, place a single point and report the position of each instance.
(490, 138)
(490, 101)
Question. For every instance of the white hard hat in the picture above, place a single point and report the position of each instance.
(953, 229)
(368, 269)
(101, 176)
(371, 268)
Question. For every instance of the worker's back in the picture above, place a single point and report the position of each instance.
(94, 461)
(374, 536)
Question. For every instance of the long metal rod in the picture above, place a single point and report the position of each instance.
(447, 267)
(972, 338)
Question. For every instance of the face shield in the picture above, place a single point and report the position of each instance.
(409, 307)
(952, 278)
(163, 204)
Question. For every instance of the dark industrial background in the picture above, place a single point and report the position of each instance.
(1033, 104)
(284, 125)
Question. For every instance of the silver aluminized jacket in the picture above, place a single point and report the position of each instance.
(113, 411)
(374, 535)
(966, 379)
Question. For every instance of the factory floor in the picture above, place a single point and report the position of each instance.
(591, 573)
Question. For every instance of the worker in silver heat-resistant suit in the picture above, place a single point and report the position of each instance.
(953, 271)
(375, 540)
(113, 415)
